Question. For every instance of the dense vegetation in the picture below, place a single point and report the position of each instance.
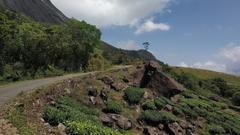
(29, 48)
(79, 119)
(209, 87)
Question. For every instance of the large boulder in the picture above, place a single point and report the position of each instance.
(116, 121)
(159, 82)
(135, 78)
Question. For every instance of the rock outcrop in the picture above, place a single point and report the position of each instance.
(159, 82)
(151, 76)
(116, 121)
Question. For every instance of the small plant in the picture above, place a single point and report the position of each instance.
(156, 117)
(160, 102)
(149, 105)
(216, 130)
(236, 98)
(53, 116)
(113, 107)
(133, 95)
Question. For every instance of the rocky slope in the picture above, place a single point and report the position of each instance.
(134, 100)
(40, 10)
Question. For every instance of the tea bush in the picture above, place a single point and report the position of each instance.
(113, 107)
(90, 128)
(160, 102)
(155, 117)
(149, 105)
(133, 95)
(68, 109)
(236, 99)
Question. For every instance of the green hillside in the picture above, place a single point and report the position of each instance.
(207, 74)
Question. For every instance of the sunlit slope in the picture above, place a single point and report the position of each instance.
(207, 74)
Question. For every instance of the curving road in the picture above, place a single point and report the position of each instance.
(9, 91)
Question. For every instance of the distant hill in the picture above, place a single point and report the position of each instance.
(39, 10)
(112, 53)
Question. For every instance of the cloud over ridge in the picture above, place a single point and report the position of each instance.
(111, 12)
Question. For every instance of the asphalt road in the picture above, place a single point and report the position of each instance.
(10, 91)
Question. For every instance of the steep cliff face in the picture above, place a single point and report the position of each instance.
(39, 10)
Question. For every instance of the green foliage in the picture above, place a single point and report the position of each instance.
(149, 105)
(89, 128)
(213, 112)
(38, 47)
(113, 107)
(188, 80)
(160, 102)
(221, 84)
(236, 99)
(69, 109)
(216, 130)
(97, 62)
(133, 95)
(54, 116)
(156, 117)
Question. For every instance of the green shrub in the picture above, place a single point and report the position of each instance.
(89, 128)
(188, 80)
(133, 95)
(113, 107)
(160, 102)
(149, 105)
(69, 109)
(54, 116)
(178, 112)
(236, 99)
(216, 130)
(155, 117)
(65, 103)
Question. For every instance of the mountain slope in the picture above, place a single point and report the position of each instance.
(39, 10)
(45, 11)
(112, 53)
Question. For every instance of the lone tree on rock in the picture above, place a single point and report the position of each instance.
(146, 45)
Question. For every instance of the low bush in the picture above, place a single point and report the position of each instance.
(155, 117)
(236, 99)
(113, 107)
(216, 130)
(90, 128)
(65, 103)
(69, 109)
(149, 105)
(54, 116)
(133, 95)
(160, 102)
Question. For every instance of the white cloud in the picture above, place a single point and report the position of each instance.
(231, 52)
(111, 12)
(183, 64)
(228, 60)
(129, 45)
(149, 26)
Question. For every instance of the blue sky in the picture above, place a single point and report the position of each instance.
(193, 33)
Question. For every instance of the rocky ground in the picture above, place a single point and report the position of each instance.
(133, 100)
